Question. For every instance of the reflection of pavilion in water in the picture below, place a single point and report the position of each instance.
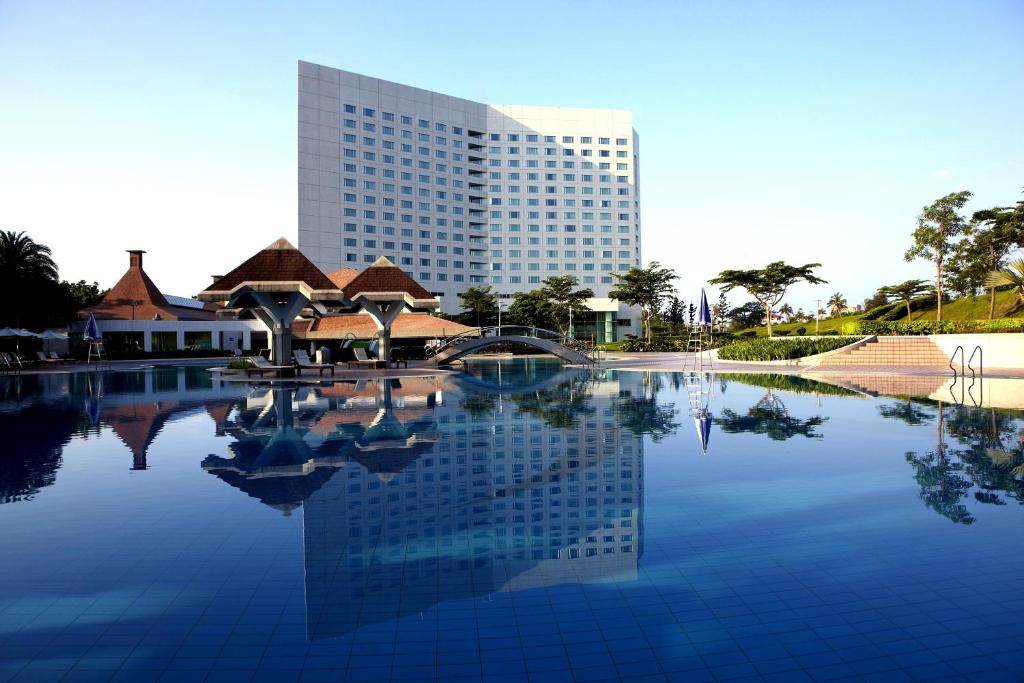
(409, 499)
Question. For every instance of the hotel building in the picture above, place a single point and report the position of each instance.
(461, 193)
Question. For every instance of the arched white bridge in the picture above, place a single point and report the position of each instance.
(570, 350)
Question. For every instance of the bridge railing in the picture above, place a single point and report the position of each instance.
(583, 347)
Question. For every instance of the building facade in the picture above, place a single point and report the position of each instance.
(461, 193)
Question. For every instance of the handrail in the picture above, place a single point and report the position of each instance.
(980, 376)
(480, 332)
(959, 349)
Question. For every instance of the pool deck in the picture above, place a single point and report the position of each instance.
(649, 362)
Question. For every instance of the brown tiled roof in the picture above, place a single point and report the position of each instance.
(136, 286)
(279, 262)
(342, 277)
(407, 325)
(384, 276)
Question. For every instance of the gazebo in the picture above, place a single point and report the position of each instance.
(276, 284)
(383, 291)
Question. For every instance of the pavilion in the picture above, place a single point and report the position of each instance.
(276, 284)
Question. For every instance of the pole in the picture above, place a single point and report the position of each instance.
(570, 322)
(817, 316)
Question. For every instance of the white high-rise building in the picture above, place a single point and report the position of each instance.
(460, 193)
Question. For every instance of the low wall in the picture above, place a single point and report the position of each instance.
(998, 350)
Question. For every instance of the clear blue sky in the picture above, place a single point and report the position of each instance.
(804, 131)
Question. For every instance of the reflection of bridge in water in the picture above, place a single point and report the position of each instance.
(413, 499)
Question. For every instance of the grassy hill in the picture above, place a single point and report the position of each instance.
(968, 308)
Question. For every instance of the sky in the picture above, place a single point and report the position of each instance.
(797, 131)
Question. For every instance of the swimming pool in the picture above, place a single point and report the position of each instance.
(519, 521)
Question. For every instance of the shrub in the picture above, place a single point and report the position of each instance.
(748, 333)
(657, 344)
(781, 333)
(780, 349)
(918, 327)
(801, 331)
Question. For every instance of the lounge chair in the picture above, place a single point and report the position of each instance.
(52, 355)
(13, 362)
(362, 359)
(5, 363)
(303, 361)
(261, 365)
(43, 358)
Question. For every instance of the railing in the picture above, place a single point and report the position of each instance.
(977, 375)
(584, 348)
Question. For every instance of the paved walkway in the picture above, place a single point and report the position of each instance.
(651, 362)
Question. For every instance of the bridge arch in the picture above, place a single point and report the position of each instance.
(543, 340)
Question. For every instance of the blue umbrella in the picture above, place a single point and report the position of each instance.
(703, 312)
(92, 330)
(702, 421)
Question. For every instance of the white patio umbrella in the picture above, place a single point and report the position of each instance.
(51, 335)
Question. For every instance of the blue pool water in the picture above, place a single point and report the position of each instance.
(516, 522)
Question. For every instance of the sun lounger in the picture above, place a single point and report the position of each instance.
(362, 359)
(261, 365)
(6, 364)
(43, 358)
(52, 355)
(303, 361)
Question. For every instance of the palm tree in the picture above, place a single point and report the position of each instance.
(1011, 276)
(24, 264)
(836, 304)
(786, 311)
(23, 259)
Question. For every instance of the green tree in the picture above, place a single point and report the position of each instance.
(675, 313)
(532, 309)
(1011, 276)
(787, 311)
(647, 288)
(82, 294)
(905, 291)
(481, 301)
(563, 297)
(990, 237)
(28, 276)
(836, 304)
(720, 311)
(750, 314)
(938, 228)
(768, 285)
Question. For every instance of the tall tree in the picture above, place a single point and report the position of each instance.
(675, 313)
(720, 311)
(938, 228)
(27, 271)
(785, 310)
(564, 299)
(990, 237)
(906, 291)
(531, 308)
(836, 304)
(750, 314)
(647, 288)
(768, 285)
(480, 301)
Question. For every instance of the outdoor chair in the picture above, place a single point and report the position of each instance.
(303, 361)
(362, 359)
(261, 365)
(54, 356)
(5, 363)
(43, 358)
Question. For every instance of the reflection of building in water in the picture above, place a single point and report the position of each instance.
(503, 501)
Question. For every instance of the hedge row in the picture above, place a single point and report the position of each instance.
(781, 349)
(918, 327)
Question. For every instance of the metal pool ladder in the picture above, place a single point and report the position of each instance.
(977, 375)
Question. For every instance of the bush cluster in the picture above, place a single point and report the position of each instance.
(780, 349)
(918, 327)
(656, 344)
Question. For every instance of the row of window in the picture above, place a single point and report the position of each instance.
(553, 253)
(403, 119)
(566, 139)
